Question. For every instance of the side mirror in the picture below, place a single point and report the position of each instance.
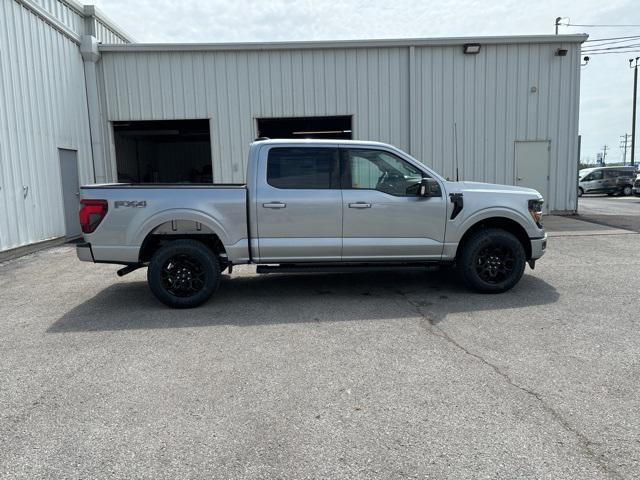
(429, 188)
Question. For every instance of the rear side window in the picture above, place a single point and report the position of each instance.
(302, 168)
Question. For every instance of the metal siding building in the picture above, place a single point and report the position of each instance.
(43, 108)
(61, 93)
(405, 92)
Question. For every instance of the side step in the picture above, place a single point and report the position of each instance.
(342, 268)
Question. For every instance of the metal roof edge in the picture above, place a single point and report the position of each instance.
(398, 42)
(92, 10)
(50, 19)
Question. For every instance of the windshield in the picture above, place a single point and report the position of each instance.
(585, 171)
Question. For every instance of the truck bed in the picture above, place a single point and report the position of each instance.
(136, 211)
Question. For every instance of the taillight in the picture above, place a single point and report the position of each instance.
(91, 214)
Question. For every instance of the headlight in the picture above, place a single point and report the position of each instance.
(535, 210)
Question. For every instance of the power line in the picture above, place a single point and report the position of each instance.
(610, 38)
(597, 26)
(621, 47)
(615, 42)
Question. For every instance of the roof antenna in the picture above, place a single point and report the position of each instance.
(455, 148)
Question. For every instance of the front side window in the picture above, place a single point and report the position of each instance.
(597, 175)
(380, 170)
(302, 168)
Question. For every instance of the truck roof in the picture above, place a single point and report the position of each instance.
(316, 141)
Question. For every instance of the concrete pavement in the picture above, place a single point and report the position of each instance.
(385, 375)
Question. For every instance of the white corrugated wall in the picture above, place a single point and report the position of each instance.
(43, 107)
(409, 96)
(70, 15)
(490, 99)
(235, 88)
(105, 34)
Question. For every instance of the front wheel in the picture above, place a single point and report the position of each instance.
(492, 261)
(580, 191)
(183, 273)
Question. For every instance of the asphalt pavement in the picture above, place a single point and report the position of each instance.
(617, 211)
(378, 375)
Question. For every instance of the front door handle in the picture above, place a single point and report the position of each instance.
(274, 205)
(360, 205)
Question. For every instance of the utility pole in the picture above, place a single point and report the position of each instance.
(558, 23)
(624, 144)
(604, 154)
(635, 101)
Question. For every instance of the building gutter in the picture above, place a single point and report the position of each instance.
(405, 42)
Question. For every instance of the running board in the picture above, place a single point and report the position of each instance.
(342, 268)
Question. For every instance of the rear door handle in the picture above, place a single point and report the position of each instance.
(274, 205)
(360, 205)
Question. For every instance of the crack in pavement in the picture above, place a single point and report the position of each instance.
(583, 441)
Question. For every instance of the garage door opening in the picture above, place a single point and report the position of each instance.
(305, 127)
(163, 151)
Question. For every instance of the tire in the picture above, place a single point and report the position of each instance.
(183, 273)
(580, 191)
(626, 191)
(492, 261)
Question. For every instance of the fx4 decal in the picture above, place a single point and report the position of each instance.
(130, 203)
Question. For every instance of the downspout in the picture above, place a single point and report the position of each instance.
(90, 56)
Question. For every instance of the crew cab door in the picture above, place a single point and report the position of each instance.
(384, 218)
(299, 204)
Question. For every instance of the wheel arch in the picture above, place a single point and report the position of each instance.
(180, 224)
(500, 222)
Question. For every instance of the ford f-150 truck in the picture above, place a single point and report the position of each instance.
(312, 205)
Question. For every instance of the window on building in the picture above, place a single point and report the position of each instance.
(338, 127)
(302, 168)
(163, 151)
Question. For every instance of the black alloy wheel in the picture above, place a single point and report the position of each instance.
(492, 260)
(183, 273)
(495, 264)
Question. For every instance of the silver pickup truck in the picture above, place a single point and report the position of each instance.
(312, 205)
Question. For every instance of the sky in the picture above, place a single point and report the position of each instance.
(606, 82)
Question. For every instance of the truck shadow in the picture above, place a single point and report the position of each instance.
(277, 299)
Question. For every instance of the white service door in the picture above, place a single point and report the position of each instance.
(532, 166)
(70, 191)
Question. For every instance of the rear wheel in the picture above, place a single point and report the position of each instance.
(492, 261)
(626, 191)
(183, 273)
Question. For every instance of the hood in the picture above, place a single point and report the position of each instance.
(492, 188)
